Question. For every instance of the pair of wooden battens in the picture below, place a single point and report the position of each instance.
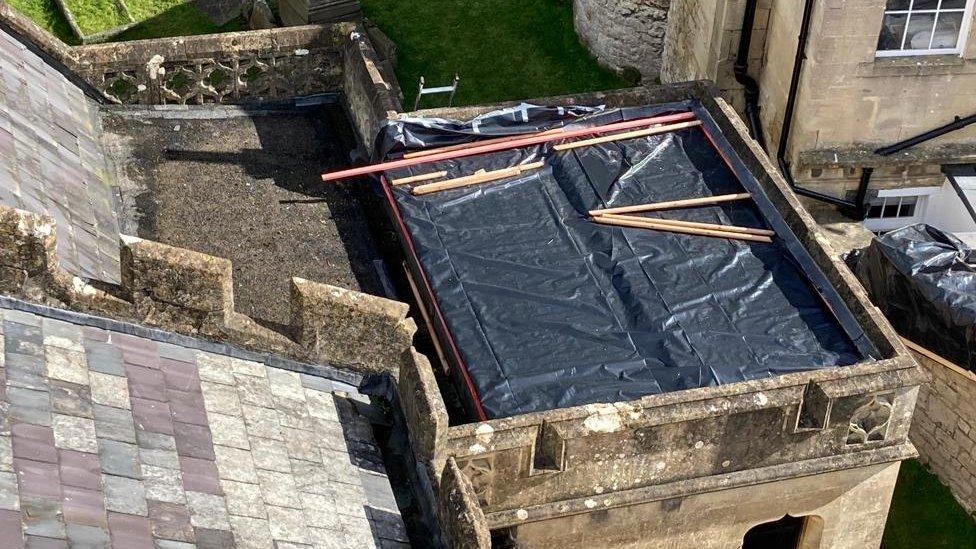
(619, 217)
(513, 171)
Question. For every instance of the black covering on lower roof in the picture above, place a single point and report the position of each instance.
(548, 309)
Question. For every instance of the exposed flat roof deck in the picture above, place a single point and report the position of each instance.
(538, 307)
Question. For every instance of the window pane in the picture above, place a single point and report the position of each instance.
(891, 209)
(953, 4)
(947, 30)
(899, 4)
(919, 31)
(907, 209)
(891, 32)
(925, 5)
(875, 211)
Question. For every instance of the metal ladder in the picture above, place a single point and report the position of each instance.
(422, 91)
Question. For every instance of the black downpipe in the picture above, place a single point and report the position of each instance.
(741, 72)
(857, 208)
(957, 124)
(962, 195)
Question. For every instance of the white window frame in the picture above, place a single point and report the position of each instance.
(878, 224)
(967, 19)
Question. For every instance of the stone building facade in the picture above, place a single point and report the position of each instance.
(852, 97)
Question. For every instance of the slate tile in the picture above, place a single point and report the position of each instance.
(74, 433)
(66, 364)
(80, 470)
(90, 333)
(163, 484)
(33, 442)
(269, 454)
(316, 383)
(170, 544)
(285, 384)
(279, 489)
(235, 464)
(9, 496)
(293, 414)
(42, 516)
(11, 530)
(247, 368)
(109, 390)
(119, 458)
(254, 391)
(212, 538)
(221, 399)
(124, 495)
(70, 399)
(170, 521)
(215, 368)
(325, 538)
(243, 499)
(29, 406)
(301, 445)
(200, 475)
(129, 531)
(262, 422)
(146, 383)
(88, 537)
(82, 506)
(187, 407)
(179, 375)
(193, 440)
(136, 350)
(287, 524)
(38, 542)
(27, 371)
(175, 352)
(114, 423)
(152, 416)
(104, 358)
(228, 431)
(251, 533)
(321, 405)
(207, 511)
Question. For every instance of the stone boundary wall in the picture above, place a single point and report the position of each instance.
(216, 68)
(192, 293)
(624, 34)
(944, 429)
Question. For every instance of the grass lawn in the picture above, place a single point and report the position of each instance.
(161, 18)
(503, 49)
(924, 513)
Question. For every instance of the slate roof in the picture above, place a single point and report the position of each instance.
(113, 440)
(51, 161)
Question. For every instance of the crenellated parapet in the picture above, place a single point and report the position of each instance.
(193, 293)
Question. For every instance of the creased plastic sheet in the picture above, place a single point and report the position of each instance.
(550, 310)
(924, 281)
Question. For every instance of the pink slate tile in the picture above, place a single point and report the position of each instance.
(129, 531)
(11, 530)
(81, 506)
(80, 469)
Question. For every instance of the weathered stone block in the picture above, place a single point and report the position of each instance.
(423, 407)
(462, 520)
(349, 327)
(175, 288)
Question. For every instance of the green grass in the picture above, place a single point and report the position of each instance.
(924, 513)
(46, 14)
(162, 18)
(180, 20)
(502, 49)
(95, 16)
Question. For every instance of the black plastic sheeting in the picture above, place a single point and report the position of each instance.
(547, 309)
(924, 281)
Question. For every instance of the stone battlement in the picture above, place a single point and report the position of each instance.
(193, 293)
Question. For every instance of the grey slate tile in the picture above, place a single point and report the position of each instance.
(119, 458)
(88, 537)
(114, 423)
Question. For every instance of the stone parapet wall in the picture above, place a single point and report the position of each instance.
(624, 34)
(944, 429)
(192, 293)
(371, 95)
(217, 68)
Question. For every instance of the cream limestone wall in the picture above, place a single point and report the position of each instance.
(851, 507)
(848, 97)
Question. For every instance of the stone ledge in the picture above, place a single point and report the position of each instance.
(462, 519)
(192, 293)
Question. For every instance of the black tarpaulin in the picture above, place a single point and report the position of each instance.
(924, 281)
(547, 309)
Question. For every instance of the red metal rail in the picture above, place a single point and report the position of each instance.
(476, 148)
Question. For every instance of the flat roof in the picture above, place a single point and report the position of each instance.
(540, 307)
